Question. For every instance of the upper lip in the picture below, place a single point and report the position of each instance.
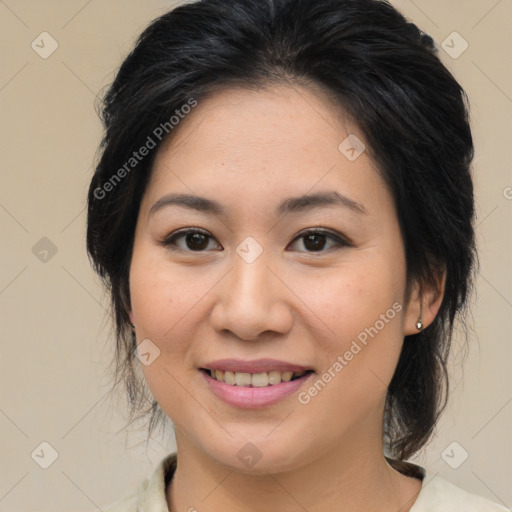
(254, 366)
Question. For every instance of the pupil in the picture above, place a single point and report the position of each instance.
(194, 241)
(318, 242)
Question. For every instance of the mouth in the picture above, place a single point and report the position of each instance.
(254, 384)
(254, 380)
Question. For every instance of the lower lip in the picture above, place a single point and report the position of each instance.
(253, 397)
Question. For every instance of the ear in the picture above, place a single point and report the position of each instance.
(132, 318)
(424, 301)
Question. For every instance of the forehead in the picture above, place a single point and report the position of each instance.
(282, 117)
(257, 143)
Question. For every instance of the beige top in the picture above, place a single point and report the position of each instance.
(436, 495)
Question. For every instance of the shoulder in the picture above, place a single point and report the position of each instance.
(150, 495)
(439, 495)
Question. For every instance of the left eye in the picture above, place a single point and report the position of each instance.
(197, 240)
(315, 240)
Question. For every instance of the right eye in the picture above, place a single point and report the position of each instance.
(192, 240)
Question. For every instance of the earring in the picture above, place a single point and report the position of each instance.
(419, 323)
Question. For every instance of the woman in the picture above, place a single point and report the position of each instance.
(283, 214)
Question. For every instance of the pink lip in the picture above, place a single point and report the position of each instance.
(255, 366)
(251, 397)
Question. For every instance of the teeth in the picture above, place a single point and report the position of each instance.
(286, 376)
(242, 379)
(229, 378)
(274, 377)
(257, 380)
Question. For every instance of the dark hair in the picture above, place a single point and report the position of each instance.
(385, 74)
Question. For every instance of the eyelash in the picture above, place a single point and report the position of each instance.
(339, 240)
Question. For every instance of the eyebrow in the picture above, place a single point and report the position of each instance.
(289, 205)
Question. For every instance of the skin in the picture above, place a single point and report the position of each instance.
(250, 150)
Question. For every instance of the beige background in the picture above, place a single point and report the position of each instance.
(55, 333)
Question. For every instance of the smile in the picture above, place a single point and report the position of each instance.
(254, 384)
(255, 380)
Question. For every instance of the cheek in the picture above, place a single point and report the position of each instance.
(343, 303)
(360, 311)
(162, 299)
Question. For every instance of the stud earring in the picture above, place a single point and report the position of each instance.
(419, 323)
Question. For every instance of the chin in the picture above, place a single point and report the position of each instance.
(259, 457)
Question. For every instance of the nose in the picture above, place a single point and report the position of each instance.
(252, 301)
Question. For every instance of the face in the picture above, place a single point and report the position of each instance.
(288, 277)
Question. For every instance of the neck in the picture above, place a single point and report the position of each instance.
(353, 477)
